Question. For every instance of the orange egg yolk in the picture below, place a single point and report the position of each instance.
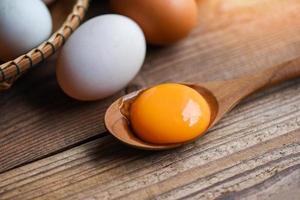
(169, 113)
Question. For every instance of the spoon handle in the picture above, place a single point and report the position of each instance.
(278, 73)
(229, 93)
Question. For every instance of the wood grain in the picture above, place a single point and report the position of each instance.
(52, 147)
(38, 120)
(242, 154)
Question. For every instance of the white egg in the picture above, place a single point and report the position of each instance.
(23, 26)
(101, 57)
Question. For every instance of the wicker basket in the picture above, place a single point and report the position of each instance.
(12, 70)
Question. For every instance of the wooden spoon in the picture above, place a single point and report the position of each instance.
(222, 96)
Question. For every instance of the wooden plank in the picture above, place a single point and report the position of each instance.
(37, 119)
(252, 152)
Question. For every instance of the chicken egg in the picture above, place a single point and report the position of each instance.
(169, 113)
(163, 21)
(101, 57)
(23, 26)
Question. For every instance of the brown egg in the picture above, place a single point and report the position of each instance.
(163, 21)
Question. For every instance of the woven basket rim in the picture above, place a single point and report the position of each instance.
(11, 70)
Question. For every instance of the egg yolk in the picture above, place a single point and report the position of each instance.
(169, 113)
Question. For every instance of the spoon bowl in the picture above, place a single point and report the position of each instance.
(117, 119)
(221, 96)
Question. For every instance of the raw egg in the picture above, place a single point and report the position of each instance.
(169, 113)
(101, 57)
(163, 21)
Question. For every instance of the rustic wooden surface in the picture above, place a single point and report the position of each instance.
(52, 147)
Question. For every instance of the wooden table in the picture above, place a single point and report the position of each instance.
(53, 147)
